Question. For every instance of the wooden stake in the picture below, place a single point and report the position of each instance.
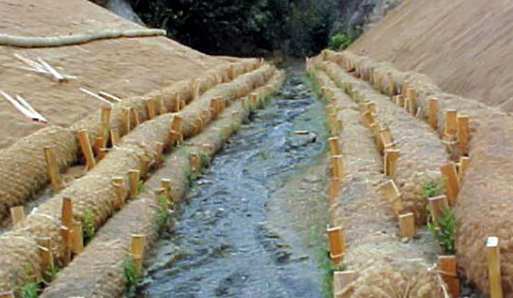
(166, 184)
(76, 238)
(494, 267)
(17, 215)
(114, 137)
(390, 191)
(85, 145)
(341, 279)
(407, 225)
(195, 162)
(159, 151)
(125, 121)
(53, 170)
(438, 205)
(176, 123)
(105, 124)
(66, 254)
(411, 94)
(337, 244)
(137, 251)
(367, 118)
(67, 212)
(133, 183)
(135, 114)
(46, 257)
(433, 113)
(119, 188)
(463, 165)
(463, 133)
(451, 181)
(386, 137)
(449, 271)
(334, 146)
(150, 108)
(162, 106)
(451, 122)
(390, 161)
(336, 166)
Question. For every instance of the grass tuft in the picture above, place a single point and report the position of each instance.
(445, 234)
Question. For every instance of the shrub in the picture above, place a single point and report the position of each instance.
(444, 234)
(340, 41)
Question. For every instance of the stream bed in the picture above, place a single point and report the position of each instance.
(252, 224)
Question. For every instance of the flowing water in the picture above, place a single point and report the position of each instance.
(250, 227)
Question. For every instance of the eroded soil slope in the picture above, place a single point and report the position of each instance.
(464, 45)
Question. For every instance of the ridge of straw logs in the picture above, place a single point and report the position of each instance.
(421, 152)
(95, 191)
(379, 264)
(98, 271)
(483, 209)
(23, 173)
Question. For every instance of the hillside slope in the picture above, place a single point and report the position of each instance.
(123, 67)
(464, 45)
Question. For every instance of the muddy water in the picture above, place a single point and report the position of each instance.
(248, 226)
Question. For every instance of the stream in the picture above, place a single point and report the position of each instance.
(252, 224)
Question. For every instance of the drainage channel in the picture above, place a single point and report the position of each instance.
(249, 226)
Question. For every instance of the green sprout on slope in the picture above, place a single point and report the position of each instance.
(30, 290)
(444, 234)
(140, 186)
(88, 225)
(162, 210)
(431, 188)
(131, 278)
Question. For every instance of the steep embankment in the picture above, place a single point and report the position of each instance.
(123, 67)
(464, 45)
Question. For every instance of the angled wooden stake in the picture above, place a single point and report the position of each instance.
(53, 170)
(166, 184)
(334, 146)
(337, 244)
(105, 123)
(162, 107)
(463, 133)
(136, 118)
(119, 188)
(150, 108)
(449, 271)
(438, 205)
(114, 137)
(463, 165)
(137, 243)
(85, 145)
(390, 162)
(451, 181)
(407, 225)
(17, 215)
(494, 267)
(367, 118)
(390, 191)
(133, 183)
(336, 166)
(176, 123)
(433, 113)
(46, 257)
(451, 122)
(76, 238)
(67, 212)
(125, 121)
(66, 254)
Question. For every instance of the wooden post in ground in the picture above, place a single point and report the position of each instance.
(176, 123)
(162, 106)
(166, 184)
(53, 170)
(195, 162)
(159, 151)
(463, 133)
(133, 183)
(46, 257)
(334, 146)
(463, 165)
(494, 267)
(67, 212)
(336, 166)
(411, 94)
(390, 161)
(105, 124)
(125, 121)
(438, 205)
(451, 122)
(119, 188)
(390, 191)
(137, 251)
(150, 108)
(367, 118)
(341, 279)
(433, 113)
(17, 215)
(135, 114)
(449, 271)
(76, 238)
(85, 145)
(451, 181)
(407, 225)
(66, 254)
(337, 244)
(114, 137)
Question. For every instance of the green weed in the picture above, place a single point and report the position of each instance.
(444, 234)
(30, 290)
(88, 225)
(130, 277)
(51, 274)
(162, 210)
(204, 160)
(140, 186)
(328, 268)
(431, 188)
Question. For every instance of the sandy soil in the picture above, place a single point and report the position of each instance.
(124, 67)
(464, 45)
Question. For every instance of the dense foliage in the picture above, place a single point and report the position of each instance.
(244, 27)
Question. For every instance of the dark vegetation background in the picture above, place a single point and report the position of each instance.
(247, 27)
